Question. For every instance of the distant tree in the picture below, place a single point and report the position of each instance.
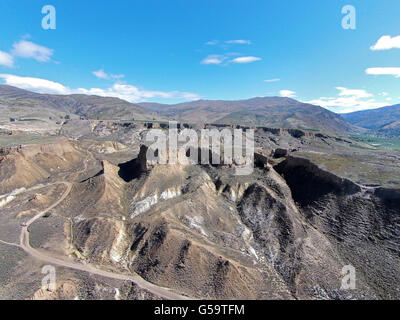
(67, 117)
(12, 119)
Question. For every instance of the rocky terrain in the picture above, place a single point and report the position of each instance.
(85, 199)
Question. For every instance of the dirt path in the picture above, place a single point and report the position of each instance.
(162, 292)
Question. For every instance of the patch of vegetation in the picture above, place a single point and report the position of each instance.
(308, 129)
(15, 140)
(362, 147)
(378, 142)
(364, 169)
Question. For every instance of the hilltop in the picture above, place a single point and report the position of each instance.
(19, 103)
(275, 112)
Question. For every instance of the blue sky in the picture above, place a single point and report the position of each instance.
(173, 51)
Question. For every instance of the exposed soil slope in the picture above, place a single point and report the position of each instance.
(31, 164)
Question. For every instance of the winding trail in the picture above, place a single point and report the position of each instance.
(24, 244)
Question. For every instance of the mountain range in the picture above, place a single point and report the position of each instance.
(382, 121)
(260, 111)
(278, 112)
(19, 103)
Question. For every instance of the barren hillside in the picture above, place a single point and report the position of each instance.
(283, 232)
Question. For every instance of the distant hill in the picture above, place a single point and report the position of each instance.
(261, 111)
(395, 125)
(15, 102)
(375, 118)
(389, 130)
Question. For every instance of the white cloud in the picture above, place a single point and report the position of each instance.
(123, 91)
(214, 59)
(6, 59)
(384, 71)
(248, 59)
(223, 59)
(386, 43)
(212, 42)
(102, 75)
(349, 100)
(134, 94)
(28, 49)
(287, 93)
(356, 93)
(272, 80)
(35, 84)
(238, 42)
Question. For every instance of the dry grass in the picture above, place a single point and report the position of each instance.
(358, 168)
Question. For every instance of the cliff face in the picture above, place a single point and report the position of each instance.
(362, 222)
(102, 240)
(195, 241)
(283, 232)
(113, 184)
